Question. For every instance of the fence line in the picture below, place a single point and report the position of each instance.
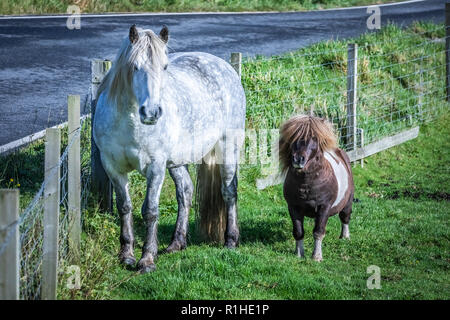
(37, 250)
(367, 121)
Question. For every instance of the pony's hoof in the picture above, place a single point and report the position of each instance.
(175, 246)
(318, 259)
(146, 269)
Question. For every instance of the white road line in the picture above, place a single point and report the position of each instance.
(112, 15)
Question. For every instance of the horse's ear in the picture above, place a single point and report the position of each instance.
(164, 34)
(134, 35)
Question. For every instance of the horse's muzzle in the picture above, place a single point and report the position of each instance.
(150, 118)
(298, 162)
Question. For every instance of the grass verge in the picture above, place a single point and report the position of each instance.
(20, 7)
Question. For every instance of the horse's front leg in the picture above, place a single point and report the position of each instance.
(319, 231)
(150, 214)
(297, 231)
(229, 194)
(184, 188)
(123, 203)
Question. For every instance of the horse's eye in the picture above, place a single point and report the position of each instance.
(165, 67)
(135, 68)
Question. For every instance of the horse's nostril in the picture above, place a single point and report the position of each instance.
(142, 111)
(158, 113)
(302, 159)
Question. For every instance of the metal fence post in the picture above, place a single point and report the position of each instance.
(361, 144)
(236, 62)
(9, 236)
(447, 48)
(352, 81)
(74, 177)
(51, 214)
(100, 185)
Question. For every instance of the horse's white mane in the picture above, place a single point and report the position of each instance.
(119, 79)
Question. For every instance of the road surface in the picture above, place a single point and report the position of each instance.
(42, 61)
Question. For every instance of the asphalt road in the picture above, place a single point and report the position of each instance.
(42, 61)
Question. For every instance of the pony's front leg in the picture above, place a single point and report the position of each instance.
(229, 194)
(319, 232)
(184, 188)
(150, 214)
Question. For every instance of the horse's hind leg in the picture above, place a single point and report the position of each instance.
(184, 188)
(228, 174)
(344, 215)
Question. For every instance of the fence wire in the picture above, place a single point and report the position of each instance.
(30, 223)
(396, 88)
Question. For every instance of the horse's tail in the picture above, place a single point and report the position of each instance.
(210, 207)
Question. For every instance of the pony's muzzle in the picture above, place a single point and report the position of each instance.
(298, 162)
(150, 117)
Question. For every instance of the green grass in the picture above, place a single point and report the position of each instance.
(8, 7)
(405, 234)
(400, 223)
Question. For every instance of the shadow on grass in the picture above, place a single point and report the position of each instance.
(251, 231)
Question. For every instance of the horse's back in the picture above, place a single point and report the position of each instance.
(218, 79)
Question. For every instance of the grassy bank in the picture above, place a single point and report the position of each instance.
(19, 7)
(400, 223)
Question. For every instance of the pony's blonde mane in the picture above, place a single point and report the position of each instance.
(305, 127)
(119, 79)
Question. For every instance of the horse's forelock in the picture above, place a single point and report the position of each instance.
(304, 127)
(119, 78)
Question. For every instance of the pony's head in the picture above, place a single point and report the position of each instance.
(303, 138)
(138, 73)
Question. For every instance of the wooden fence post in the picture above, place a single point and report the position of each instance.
(236, 62)
(352, 81)
(101, 187)
(447, 48)
(74, 178)
(51, 214)
(9, 231)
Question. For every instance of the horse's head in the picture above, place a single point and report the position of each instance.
(303, 138)
(148, 60)
(302, 151)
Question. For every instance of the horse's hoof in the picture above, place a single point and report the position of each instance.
(146, 269)
(230, 244)
(318, 259)
(128, 261)
(175, 246)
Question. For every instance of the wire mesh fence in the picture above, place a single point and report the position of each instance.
(30, 222)
(398, 86)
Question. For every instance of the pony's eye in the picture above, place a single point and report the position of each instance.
(165, 67)
(135, 68)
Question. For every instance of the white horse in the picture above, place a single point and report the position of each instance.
(156, 111)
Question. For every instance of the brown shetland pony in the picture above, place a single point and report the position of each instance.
(319, 181)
